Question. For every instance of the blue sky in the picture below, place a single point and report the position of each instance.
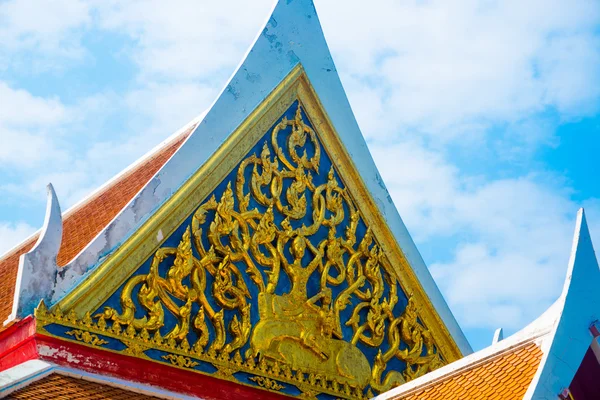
(483, 117)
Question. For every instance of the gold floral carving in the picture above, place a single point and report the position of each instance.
(266, 383)
(271, 221)
(86, 337)
(180, 361)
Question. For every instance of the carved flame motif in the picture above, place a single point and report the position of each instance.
(277, 234)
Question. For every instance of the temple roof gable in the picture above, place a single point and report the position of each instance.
(265, 249)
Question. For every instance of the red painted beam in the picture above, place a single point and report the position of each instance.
(20, 343)
(178, 380)
(17, 343)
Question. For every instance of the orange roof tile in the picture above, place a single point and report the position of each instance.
(506, 375)
(84, 222)
(57, 386)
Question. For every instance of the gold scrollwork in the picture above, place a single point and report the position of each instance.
(180, 361)
(267, 383)
(86, 337)
(275, 221)
(135, 348)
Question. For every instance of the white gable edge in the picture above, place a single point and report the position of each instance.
(21, 375)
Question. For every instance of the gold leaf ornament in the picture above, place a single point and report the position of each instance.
(280, 214)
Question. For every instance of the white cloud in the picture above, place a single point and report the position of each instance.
(180, 50)
(21, 108)
(166, 107)
(482, 283)
(29, 128)
(490, 81)
(155, 112)
(422, 183)
(509, 239)
(12, 233)
(38, 35)
(23, 150)
(443, 67)
(186, 38)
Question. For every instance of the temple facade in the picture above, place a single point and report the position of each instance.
(256, 253)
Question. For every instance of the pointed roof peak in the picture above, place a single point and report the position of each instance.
(290, 39)
(583, 264)
(581, 225)
(579, 307)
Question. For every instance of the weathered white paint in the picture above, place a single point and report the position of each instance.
(580, 307)
(21, 375)
(37, 268)
(291, 35)
(49, 351)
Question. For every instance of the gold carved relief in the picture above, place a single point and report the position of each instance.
(273, 221)
(180, 360)
(267, 383)
(86, 337)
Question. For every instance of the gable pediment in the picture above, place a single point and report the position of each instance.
(272, 266)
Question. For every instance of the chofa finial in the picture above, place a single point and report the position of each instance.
(38, 268)
(498, 336)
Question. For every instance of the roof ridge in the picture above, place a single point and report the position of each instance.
(129, 169)
(469, 362)
(470, 366)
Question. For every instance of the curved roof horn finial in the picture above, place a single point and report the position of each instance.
(580, 305)
(37, 268)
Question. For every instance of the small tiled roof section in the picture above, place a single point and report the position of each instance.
(84, 222)
(504, 376)
(56, 386)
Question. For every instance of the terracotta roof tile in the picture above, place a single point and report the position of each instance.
(507, 375)
(57, 386)
(83, 223)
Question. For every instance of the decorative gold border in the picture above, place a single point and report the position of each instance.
(102, 282)
(186, 359)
